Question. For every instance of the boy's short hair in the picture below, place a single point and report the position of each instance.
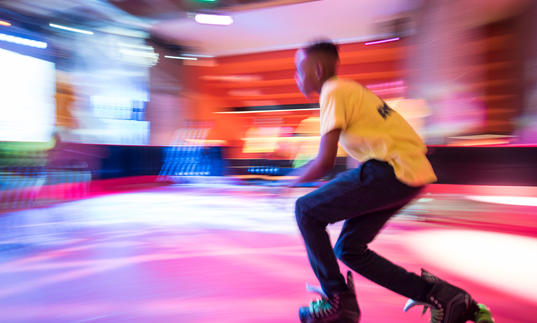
(323, 47)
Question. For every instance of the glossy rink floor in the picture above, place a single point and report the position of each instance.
(227, 253)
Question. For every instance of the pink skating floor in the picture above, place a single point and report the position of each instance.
(232, 254)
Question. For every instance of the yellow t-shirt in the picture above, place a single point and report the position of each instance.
(370, 129)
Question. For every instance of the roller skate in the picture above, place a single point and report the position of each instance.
(450, 304)
(340, 308)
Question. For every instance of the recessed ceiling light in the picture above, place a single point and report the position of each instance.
(182, 57)
(382, 41)
(208, 19)
(75, 30)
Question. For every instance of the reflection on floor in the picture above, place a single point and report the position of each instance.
(227, 253)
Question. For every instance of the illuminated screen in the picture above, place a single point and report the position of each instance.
(27, 106)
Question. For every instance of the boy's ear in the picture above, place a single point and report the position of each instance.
(319, 69)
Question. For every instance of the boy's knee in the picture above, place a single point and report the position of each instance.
(300, 211)
(303, 213)
(348, 253)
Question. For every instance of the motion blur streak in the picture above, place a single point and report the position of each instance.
(143, 154)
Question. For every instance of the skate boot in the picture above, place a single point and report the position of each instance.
(341, 308)
(450, 304)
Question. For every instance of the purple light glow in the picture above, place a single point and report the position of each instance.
(382, 41)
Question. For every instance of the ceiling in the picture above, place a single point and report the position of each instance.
(265, 25)
(285, 26)
(259, 25)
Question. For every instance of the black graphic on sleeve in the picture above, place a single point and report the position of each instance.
(384, 110)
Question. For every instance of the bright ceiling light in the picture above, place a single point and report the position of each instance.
(382, 41)
(76, 30)
(5, 23)
(182, 57)
(23, 41)
(213, 19)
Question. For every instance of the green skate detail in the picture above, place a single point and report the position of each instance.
(319, 306)
(484, 315)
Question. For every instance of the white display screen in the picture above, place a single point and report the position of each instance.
(27, 104)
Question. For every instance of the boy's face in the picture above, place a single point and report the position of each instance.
(305, 73)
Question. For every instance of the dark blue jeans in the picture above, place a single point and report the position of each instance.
(366, 198)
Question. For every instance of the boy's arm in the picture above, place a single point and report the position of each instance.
(323, 163)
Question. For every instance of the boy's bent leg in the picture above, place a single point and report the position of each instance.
(352, 249)
(319, 248)
(368, 189)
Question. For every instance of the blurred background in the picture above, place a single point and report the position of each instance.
(197, 98)
(107, 89)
